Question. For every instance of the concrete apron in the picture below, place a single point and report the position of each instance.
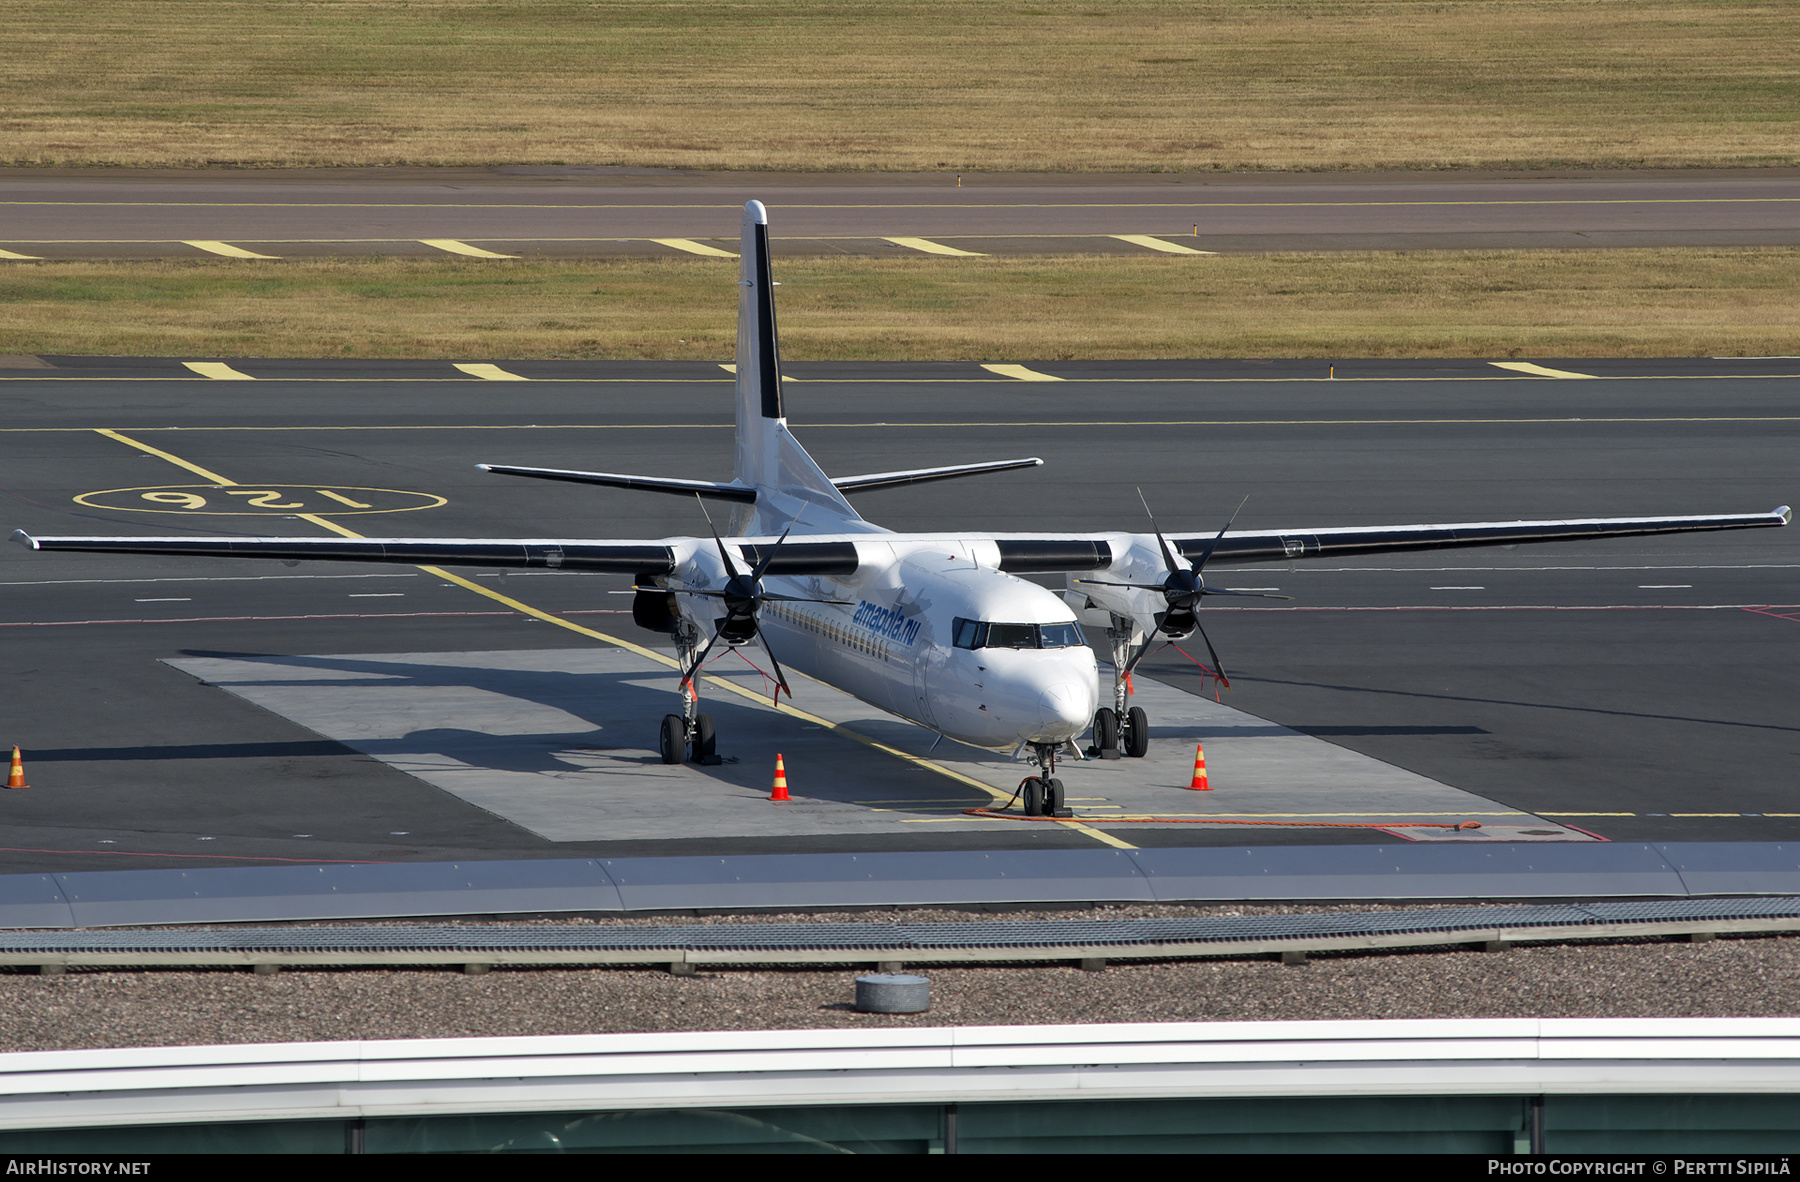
(562, 742)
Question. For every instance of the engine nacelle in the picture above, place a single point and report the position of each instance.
(654, 610)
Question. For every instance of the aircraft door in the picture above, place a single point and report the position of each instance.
(921, 695)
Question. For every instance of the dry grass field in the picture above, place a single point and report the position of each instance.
(1621, 303)
(1037, 85)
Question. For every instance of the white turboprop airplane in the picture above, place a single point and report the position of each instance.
(933, 627)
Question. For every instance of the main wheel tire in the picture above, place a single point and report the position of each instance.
(1106, 729)
(1053, 797)
(673, 739)
(1034, 797)
(706, 739)
(1137, 738)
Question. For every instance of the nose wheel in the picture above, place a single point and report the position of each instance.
(1042, 796)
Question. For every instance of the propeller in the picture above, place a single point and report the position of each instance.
(1182, 589)
(743, 597)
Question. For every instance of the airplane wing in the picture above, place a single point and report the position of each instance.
(1341, 541)
(840, 554)
(643, 558)
(626, 557)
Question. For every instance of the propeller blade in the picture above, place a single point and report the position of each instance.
(780, 678)
(1143, 651)
(770, 556)
(1133, 586)
(731, 570)
(688, 677)
(1246, 594)
(804, 599)
(1218, 669)
(1168, 555)
(1200, 562)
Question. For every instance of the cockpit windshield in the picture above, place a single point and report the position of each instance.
(985, 634)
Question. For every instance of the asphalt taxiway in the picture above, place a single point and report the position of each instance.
(1637, 690)
(601, 213)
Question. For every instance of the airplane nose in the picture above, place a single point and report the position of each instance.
(1065, 707)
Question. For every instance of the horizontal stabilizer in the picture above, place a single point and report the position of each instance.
(661, 484)
(875, 480)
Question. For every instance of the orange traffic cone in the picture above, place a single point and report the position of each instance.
(780, 790)
(1200, 783)
(17, 778)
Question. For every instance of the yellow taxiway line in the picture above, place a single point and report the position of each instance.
(709, 205)
(638, 649)
(7, 254)
(939, 425)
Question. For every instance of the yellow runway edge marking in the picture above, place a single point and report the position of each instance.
(218, 370)
(930, 247)
(225, 248)
(692, 247)
(1158, 244)
(453, 246)
(1022, 374)
(487, 372)
(1542, 371)
(7, 254)
(650, 654)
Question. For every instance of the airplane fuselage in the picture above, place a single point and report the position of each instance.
(934, 636)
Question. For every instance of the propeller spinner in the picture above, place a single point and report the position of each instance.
(1182, 589)
(742, 597)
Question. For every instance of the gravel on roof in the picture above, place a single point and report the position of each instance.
(1752, 976)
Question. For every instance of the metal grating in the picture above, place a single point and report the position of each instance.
(1564, 921)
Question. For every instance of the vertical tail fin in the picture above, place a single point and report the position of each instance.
(758, 354)
(768, 458)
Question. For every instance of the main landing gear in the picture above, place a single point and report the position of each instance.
(690, 734)
(1117, 729)
(681, 739)
(1042, 795)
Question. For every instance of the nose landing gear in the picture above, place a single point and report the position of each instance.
(1042, 795)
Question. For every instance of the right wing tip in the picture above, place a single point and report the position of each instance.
(1786, 514)
(24, 539)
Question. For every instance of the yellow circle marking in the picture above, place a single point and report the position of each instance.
(259, 500)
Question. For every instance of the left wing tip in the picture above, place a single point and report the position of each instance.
(1786, 514)
(24, 539)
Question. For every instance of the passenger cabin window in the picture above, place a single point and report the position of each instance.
(982, 634)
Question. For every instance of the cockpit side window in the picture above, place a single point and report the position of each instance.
(1061, 635)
